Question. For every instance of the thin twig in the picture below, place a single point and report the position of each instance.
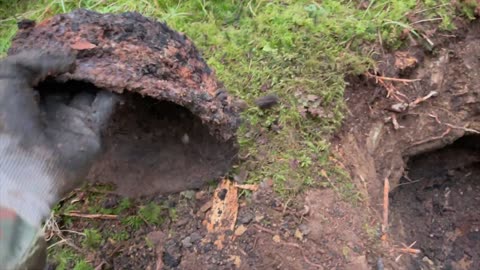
(422, 99)
(286, 206)
(74, 232)
(408, 183)
(410, 250)
(264, 229)
(394, 79)
(386, 190)
(91, 216)
(57, 243)
(324, 174)
(395, 123)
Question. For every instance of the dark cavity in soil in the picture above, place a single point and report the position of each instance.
(439, 206)
(154, 147)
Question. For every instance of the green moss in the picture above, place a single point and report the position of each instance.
(152, 213)
(65, 258)
(93, 238)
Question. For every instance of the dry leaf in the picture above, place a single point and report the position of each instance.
(403, 60)
(82, 45)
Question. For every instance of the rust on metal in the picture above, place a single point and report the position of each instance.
(129, 52)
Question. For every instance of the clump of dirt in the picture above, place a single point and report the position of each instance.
(154, 147)
(436, 205)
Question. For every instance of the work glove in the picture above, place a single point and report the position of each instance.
(47, 146)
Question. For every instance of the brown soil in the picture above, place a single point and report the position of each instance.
(436, 205)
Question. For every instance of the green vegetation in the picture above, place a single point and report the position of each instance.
(120, 236)
(152, 213)
(66, 259)
(93, 238)
(301, 50)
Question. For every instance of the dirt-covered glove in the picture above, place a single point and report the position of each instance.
(47, 146)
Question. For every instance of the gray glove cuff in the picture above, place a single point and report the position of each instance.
(27, 181)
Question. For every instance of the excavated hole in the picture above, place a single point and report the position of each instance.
(154, 146)
(438, 206)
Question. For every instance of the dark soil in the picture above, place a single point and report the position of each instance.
(155, 147)
(438, 206)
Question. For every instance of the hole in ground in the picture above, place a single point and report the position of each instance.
(438, 206)
(146, 148)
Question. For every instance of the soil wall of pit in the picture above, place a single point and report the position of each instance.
(383, 135)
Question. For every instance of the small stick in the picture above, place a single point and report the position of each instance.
(264, 229)
(393, 79)
(324, 174)
(395, 123)
(410, 250)
(422, 99)
(91, 216)
(286, 206)
(386, 189)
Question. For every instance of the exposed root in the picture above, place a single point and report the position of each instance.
(52, 229)
(432, 138)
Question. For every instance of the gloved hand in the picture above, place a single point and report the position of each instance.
(47, 146)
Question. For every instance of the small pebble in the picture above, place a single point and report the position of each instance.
(246, 218)
(380, 265)
(194, 237)
(187, 242)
